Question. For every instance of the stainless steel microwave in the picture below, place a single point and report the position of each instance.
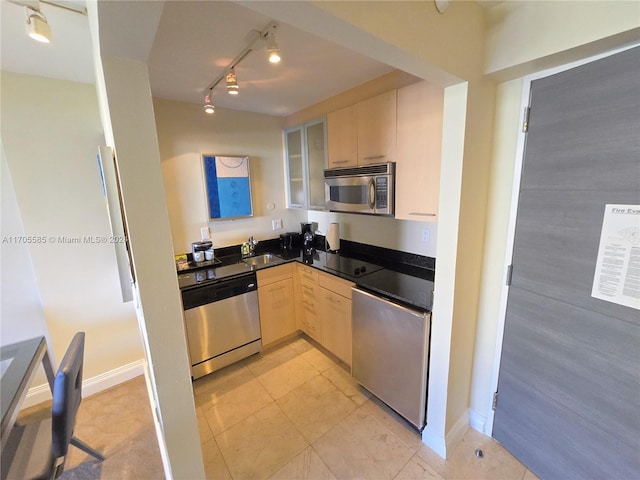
(368, 189)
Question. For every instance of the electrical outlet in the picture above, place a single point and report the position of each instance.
(425, 236)
(276, 224)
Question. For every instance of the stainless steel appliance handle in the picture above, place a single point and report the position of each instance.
(372, 193)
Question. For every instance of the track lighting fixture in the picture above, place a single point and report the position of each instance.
(208, 104)
(267, 35)
(232, 82)
(272, 46)
(37, 26)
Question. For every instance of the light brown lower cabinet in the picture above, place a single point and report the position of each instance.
(276, 302)
(336, 324)
(323, 310)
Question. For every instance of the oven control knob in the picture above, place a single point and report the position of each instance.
(363, 269)
(356, 271)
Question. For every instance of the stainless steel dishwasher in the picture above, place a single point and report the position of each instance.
(391, 353)
(222, 323)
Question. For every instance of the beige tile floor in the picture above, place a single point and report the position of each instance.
(293, 412)
(118, 423)
(289, 413)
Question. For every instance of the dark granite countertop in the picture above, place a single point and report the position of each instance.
(410, 284)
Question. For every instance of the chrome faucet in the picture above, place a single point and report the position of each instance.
(252, 246)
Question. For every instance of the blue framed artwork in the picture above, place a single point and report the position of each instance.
(228, 186)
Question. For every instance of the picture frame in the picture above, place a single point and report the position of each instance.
(227, 182)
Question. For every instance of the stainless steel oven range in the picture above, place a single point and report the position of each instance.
(222, 323)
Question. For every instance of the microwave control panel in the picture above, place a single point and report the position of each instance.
(382, 189)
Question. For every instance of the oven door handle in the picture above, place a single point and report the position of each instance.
(372, 193)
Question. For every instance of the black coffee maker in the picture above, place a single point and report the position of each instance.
(307, 235)
(289, 241)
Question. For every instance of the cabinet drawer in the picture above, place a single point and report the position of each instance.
(307, 273)
(308, 289)
(335, 284)
(274, 274)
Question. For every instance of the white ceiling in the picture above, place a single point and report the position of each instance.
(194, 43)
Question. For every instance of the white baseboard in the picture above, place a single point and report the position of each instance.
(90, 386)
(477, 421)
(434, 441)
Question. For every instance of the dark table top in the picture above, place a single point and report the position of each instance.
(19, 362)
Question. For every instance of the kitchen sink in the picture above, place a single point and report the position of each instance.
(265, 259)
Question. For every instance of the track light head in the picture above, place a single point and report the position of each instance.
(37, 26)
(208, 105)
(273, 51)
(232, 82)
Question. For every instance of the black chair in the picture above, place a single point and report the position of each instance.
(39, 449)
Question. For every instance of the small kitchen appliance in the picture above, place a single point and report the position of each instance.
(307, 234)
(368, 189)
(289, 240)
(202, 251)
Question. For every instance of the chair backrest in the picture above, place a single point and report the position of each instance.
(67, 394)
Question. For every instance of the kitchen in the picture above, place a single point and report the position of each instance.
(166, 370)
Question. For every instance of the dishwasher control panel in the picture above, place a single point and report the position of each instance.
(215, 292)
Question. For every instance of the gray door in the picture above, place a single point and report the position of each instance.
(568, 402)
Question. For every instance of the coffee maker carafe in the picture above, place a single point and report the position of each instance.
(307, 235)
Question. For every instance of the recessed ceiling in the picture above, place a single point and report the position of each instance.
(194, 43)
(197, 40)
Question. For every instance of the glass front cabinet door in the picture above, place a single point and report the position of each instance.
(306, 156)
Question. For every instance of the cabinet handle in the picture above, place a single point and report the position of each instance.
(276, 289)
(341, 161)
(308, 288)
(421, 214)
(374, 157)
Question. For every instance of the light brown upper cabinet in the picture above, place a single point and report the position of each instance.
(419, 132)
(342, 137)
(376, 122)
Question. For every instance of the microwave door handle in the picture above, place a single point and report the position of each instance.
(372, 193)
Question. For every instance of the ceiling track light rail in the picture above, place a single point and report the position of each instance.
(268, 35)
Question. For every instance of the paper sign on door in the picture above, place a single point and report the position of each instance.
(617, 275)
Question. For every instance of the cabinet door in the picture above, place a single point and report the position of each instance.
(277, 315)
(419, 146)
(336, 324)
(376, 121)
(295, 166)
(342, 137)
(316, 142)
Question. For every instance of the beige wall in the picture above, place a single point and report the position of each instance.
(51, 141)
(185, 132)
(528, 36)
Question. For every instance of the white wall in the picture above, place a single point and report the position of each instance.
(158, 306)
(50, 141)
(403, 235)
(533, 34)
(21, 314)
(185, 132)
